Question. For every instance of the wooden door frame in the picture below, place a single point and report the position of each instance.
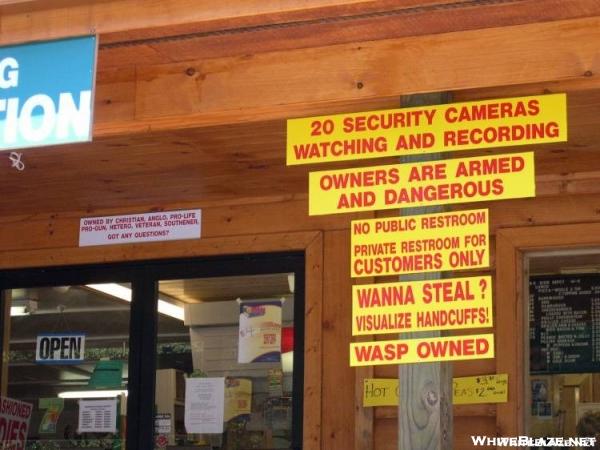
(310, 242)
(512, 245)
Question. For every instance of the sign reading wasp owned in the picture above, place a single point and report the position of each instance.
(409, 351)
(428, 129)
(462, 180)
(46, 92)
(419, 244)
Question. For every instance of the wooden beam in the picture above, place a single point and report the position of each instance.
(285, 84)
(29, 20)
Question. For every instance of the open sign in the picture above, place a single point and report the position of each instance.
(60, 348)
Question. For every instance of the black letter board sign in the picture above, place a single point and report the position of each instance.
(564, 323)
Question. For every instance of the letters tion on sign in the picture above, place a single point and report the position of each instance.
(444, 304)
(463, 180)
(407, 351)
(466, 390)
(418, 244)
(46, 92)
(428, 129)
(60, 348)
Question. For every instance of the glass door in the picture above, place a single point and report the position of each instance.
(66, 366)
(106, 356)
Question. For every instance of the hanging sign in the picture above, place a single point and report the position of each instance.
(462, 180)
(407, 351)
(14, 423)
(466, 390)
(60, 348)
(428, 129)
(445, 304)
(149, 227)
(46, 92)
(420, 244)
(259, 331)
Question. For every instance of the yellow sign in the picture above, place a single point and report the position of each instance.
(480, 389)
(449, 304)
(419, 244)
(407, 351)
(461, 180)
(467, 390)
(380, 392)
(428, 129)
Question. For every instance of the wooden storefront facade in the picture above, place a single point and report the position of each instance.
(190, 110)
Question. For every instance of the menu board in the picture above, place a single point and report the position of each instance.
(564, 323)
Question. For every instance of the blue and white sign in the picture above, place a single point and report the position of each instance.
(46, 92)
(60, 348)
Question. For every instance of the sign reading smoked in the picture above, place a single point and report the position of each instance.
(449, 304)
(462, 180)
(427, 129)
(419, 244)
(407, 351)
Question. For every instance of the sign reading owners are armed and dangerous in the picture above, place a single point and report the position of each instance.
(419, 244)
(455, 348)
(448, 304)
(462, 180)
(427, 129)
(46, 92)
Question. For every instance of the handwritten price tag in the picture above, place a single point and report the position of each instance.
(480, 389)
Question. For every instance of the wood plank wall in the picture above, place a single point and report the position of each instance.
(280, 223)
(52, 240)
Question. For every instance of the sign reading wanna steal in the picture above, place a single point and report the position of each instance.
(46, 92)
(60, 348)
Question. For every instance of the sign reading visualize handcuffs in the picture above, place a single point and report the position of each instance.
(440, 242)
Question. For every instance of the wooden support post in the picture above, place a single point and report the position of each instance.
(425, 408)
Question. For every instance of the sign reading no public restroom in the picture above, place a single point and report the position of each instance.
(419, 244)
(462, 180)
(60, 348)
(46, 92)
(149, 227)
(427, 129)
